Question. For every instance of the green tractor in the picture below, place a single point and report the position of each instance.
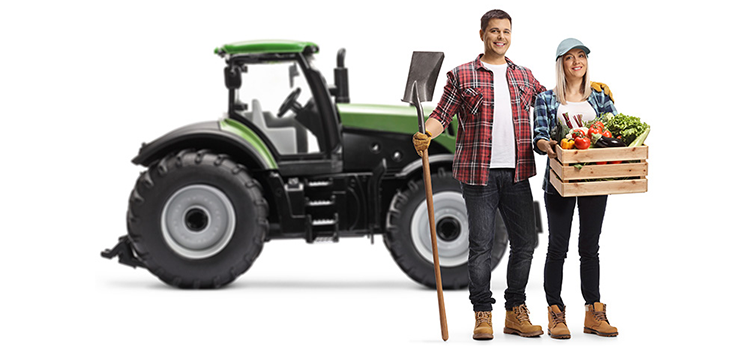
(292, 159)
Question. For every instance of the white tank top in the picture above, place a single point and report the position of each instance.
(578, 113)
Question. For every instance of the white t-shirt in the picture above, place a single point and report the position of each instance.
(503, 132)
(574, 109)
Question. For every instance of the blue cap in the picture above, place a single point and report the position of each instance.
(570, 44)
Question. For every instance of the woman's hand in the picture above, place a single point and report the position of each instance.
(548, 147)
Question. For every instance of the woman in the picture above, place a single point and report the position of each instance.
(572, 94)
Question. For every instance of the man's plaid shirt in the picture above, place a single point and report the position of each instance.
(469, 93)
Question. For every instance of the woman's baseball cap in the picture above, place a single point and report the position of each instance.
(570, 44)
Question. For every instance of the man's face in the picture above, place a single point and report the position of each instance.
(496, 37)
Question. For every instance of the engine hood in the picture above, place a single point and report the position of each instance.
(399, 119)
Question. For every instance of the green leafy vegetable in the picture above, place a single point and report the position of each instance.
(559, 131)
(629, 127)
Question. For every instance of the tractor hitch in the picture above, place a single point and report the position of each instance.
(124, 251)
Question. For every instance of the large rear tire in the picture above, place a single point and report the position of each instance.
(197, 219)
(408, 233)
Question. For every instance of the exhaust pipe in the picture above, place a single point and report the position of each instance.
(341, 78)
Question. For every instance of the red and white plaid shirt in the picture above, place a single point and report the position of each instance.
(469, 93)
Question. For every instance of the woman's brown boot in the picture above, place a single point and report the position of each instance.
(596, 321)
(557, 327)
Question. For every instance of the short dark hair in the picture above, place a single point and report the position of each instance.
(499, 14)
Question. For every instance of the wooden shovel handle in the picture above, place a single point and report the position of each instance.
(433, 236)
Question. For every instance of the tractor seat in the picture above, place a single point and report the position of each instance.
(283, 138)
(272, 121)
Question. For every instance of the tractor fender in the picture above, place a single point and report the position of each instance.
(224, 136)
(416, 166)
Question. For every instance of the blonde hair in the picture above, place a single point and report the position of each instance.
(562, 84)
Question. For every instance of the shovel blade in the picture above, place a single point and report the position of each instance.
(423, 73)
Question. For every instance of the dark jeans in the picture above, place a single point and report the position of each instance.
(517, 210)
(560, 217)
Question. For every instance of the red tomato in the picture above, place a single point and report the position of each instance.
(577, 133)
(583, 143)
(606, 133)
(594, 130)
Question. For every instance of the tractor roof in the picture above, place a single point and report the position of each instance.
(267, 46)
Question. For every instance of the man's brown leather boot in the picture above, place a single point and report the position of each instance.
(557, 327)
(517, 322)
(596, 321)
(483, 325)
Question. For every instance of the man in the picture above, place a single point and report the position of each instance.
(493, 161)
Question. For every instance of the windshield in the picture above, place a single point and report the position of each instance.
(280, 103)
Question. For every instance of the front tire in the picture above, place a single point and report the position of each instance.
(408, 233)
(197, 219)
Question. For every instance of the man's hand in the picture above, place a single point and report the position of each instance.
(421, 141)
(599, 87)
(548, 147)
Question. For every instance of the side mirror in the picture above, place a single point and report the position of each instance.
(233, 77)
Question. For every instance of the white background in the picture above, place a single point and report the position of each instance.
(82, 84)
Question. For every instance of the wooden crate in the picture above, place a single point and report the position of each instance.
(594, 179)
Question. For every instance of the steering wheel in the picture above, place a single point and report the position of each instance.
(290, 103)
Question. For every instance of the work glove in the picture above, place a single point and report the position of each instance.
(421, 141)
(599, 87)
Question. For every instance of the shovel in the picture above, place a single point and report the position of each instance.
(420, 85)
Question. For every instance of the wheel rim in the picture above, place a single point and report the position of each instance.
(198, 221)
(452, 229)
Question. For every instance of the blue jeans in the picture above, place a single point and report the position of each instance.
(516, 207)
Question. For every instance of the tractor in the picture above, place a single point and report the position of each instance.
(292, 158)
